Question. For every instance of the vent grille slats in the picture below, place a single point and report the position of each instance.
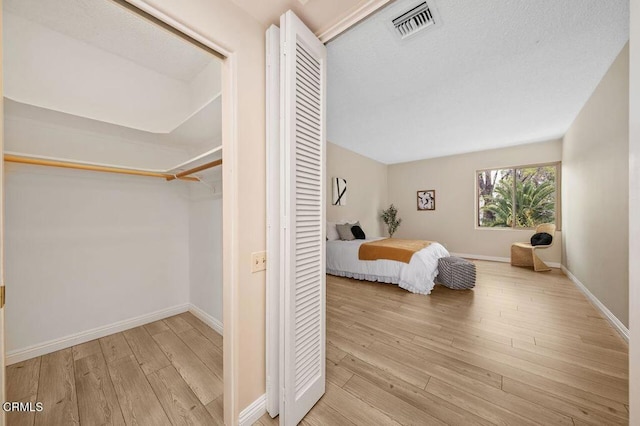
(414, 20)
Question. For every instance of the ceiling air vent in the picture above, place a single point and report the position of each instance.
(413, 20)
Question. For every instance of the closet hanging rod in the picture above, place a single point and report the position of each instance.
(186, 173)
(90, 167)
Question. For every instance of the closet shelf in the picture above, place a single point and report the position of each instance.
(40, 161)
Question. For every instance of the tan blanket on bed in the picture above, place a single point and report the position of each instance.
(391, 249)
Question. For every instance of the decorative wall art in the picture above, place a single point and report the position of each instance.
(339, 191)
(427, 199)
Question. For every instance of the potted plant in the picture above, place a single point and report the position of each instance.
(389, 216)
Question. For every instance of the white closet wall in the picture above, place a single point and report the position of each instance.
(205, 251)
(87, 250)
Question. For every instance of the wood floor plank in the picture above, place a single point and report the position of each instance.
(354, 409)
(138, 402)
(86, 349)
(379, 335)
(613, 390)
(206, 385)
(347, 333)
(549, 385)
(427, 361)
(478, 406)
(337, 374)
(417, 397)
(334, 354)
(114, 347)
(583, 350)
(570, 408)
(97, 400)
(177, 324)
(392, 406)
(405, 371)
(146, 350)
(500, 398)
(568, 356)
(216, 410)
(210, 354)
(370, 319)
(57, 390)
(178, 400)
(156, 327)
(203, 328)
(321, 415)
(22, 386)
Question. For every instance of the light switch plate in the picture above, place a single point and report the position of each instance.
(258, 261)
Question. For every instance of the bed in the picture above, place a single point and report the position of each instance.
(417, 276)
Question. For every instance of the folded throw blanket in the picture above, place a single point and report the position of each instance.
(391, 249)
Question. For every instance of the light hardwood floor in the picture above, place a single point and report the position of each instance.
(163, 373)
(521, 348)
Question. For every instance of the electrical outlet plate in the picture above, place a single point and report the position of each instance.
(258, 261)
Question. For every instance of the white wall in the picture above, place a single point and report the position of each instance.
(205, 249)
(595, 173)
(206, 85)
(453, 223)
(366, 189)
(85, 250)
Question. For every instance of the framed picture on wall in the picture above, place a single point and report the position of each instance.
(427, 199)
(339, 191)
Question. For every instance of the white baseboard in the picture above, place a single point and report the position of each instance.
(85, 336)
(615, 322)
(497, 259)
(253, 412)
(207, 319)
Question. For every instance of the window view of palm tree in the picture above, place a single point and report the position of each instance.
(519, 197)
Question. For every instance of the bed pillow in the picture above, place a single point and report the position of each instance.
(357, 232)
(345, 231)
(332, 232)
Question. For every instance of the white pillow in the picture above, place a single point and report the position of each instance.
(332, 232)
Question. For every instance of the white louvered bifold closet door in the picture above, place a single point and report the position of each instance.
(303, 299)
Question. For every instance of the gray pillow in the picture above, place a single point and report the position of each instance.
(345, 231)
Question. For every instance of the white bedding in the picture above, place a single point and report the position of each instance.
(417, 276)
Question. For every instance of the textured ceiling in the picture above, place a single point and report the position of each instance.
(110, 27)
(495, 73)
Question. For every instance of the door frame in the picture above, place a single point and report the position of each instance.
(230, 251)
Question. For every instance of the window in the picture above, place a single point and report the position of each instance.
(518, 197)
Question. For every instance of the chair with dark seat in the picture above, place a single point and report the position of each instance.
(524, 254)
